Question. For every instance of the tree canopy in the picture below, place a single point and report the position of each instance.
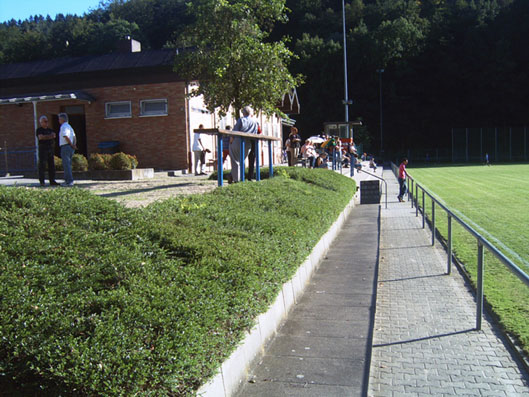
(230, 57)
(447, 62)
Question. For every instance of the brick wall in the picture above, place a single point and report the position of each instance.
(159, 142)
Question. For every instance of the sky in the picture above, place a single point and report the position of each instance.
(23, 9)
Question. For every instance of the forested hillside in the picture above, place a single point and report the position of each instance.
(446, 63)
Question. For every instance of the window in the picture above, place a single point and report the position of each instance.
(153, 107)
(118, 109)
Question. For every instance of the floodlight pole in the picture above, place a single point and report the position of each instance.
(380, 71)
(346, 102)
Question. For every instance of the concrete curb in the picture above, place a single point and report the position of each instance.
(234, 370)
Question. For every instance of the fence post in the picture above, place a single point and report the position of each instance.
(416, 197)
(220, 169)
(433, 222)
(479, 297)
(423, 209)
(449, 248)
(410, 192)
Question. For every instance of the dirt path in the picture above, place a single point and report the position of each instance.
(142, 193)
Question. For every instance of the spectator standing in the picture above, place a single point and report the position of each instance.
(46, 138)
(245, 124)
(198, 152)
(226, 140)
(402, 179)
(487, 162)
(293, 146)
(252, 155)
(67, 143)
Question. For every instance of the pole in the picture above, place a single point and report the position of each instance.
(345, 64)
(380, 71)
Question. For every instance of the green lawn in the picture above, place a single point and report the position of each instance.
(494, 201)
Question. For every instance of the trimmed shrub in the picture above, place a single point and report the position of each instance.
(97, 161)
(58, 163)
(120, 161)
(79, 162)
(98, 299)
(133, 161)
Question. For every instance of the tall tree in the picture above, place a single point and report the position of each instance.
(230, 56)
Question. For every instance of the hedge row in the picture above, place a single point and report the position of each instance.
(98, 161)
(98, 299)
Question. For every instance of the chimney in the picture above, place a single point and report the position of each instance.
(128, 44)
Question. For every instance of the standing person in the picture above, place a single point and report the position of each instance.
(294, 144)
(67, 143)
(487, 162)
(245, 124)
(402, 179)
(252, 155)
(226, 140)
(46, 137)
(198, 149)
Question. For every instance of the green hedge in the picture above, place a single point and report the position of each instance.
(97, 299)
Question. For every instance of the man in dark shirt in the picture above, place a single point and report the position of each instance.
(46, 137)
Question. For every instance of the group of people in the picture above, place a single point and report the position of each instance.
(46, 146)
(231, 147)
(317, 154)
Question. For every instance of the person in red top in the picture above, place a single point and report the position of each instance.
(402, 179)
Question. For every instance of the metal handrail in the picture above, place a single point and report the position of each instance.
(481, 241)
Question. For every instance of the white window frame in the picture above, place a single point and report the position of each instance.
(156, 114)
(108, 115)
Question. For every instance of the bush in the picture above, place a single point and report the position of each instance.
(58, 163)
(147, 302)
(98, 161)
(120, 161)
(79, 162)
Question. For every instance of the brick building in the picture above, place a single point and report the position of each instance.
(132, 97)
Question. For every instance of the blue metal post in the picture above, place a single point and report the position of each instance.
(449, 248)
(220, 171)
(257, 161)
(479, 297)
(241, 160)
(270, 159)
(433, 222)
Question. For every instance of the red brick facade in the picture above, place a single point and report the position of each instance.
(157, 141)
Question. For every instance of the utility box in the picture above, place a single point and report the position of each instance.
(369, 192)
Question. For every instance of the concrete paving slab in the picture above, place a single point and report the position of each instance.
(317, 347)
(268, 389)
(323, 348)
(321, 371)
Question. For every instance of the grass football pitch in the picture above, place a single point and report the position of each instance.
(494, 200)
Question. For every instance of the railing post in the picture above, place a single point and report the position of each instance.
(220, 170)
(416, 197)
(257, 161)
(449, 248)
(433, 222)
(270, 160)
(410, 196)
(423, 210)
(242, 160)
(479, 297)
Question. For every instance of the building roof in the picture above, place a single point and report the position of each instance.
(93, 63)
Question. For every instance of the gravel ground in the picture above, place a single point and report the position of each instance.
(144, 192)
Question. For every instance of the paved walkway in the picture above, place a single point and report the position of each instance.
(422, 340)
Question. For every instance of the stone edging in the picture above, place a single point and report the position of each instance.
(234, 370)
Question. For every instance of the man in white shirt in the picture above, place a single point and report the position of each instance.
(244, 124)
(67, 143)
(198, 149)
